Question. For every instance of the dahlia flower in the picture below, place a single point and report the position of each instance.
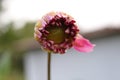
(56, 32)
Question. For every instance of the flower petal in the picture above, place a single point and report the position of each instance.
(83, 45)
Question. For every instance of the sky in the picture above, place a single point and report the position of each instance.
(89, 14)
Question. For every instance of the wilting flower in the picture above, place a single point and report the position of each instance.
(56, 32)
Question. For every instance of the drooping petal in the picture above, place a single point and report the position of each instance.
(83, 45)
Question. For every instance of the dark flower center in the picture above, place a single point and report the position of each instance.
(56, 34)
(57, 29)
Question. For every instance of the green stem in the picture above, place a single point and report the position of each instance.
(49, 66)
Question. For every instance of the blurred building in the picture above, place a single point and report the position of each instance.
(101, 64)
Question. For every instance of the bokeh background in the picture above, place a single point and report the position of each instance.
(18, 17)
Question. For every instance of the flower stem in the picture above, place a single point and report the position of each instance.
(49, 66)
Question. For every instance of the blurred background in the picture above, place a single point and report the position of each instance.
(20, 55)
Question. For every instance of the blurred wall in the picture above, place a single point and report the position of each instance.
(101, 64)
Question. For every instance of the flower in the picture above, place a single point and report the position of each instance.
(56, 32)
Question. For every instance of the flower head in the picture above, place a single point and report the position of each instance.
(56, 32)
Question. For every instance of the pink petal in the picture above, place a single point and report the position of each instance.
(83, 45)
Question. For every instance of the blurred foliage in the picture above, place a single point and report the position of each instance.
(11, 65)
(27, 30)
(8, 35)
(5, 64)
(1, 5)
